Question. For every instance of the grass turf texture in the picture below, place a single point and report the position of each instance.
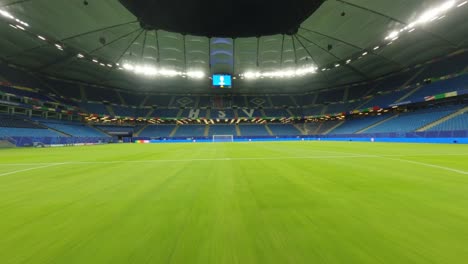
(302, 202)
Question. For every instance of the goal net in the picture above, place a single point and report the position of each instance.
(223, 138)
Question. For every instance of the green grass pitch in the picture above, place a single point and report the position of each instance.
(296, 202)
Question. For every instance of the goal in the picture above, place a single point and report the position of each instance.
(223, 138)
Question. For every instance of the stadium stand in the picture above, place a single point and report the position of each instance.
(157, 131)
(14, 126)
(190, 131)
(74, 129)
(94, 108)
(284, 129)
(276, 113)
(411, 121)
(253, 130)
(455, 124)
(354, 125)
(222, 130)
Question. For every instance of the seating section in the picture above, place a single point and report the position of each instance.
(222, 130)
(276, 113)
(75, 129)
(408, 122)
(352, 126)
(95, 108)
(157, 131)
(456, 84)
(116, 129)
(25, 93)
(284, 130)
(11, 126)
(190, 131)
(457, 123)
(166, 113)
(253, 130)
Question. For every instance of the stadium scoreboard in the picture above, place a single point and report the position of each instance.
(222, 81)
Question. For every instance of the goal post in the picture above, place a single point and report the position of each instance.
(223, 138)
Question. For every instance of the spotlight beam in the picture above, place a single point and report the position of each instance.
(398, 21)
(352, 45)
(15, 3)
(310, 55)
(69, 38)
(336, 57)
(102, 80)
(73, 56)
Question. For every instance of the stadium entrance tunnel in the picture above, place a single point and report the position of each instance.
(223, 18)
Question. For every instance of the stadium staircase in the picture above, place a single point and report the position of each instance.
(409, 94)
(137, 133)
(83, 94)
(144, 101)
(333, 128)
(150, 113)
(236, 113)
(289, 112)
(443, 119)
(270, 102)
(207, 131)
(269, 130)
(110, 110)
(7, 142)
(174, 131)
(98, 129)
(238, 131)
(293, 100)
(345, 94)
(179, 114)
(208, 113)
(262, 112)
(324, 110)
(51, 128)
(122, 100)
(376, 124)
(301, 129)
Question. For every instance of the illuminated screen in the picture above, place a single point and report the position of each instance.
(222, 81)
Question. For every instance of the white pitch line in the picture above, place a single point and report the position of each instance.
(355, 155)
(431, 165)
(29, 169)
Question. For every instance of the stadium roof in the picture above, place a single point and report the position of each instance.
(344, 41)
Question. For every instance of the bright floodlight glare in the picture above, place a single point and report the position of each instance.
(462, 4)
(196, 74)
(426, 17)
(20, 27)
(41, 37)
(6, 14)
(80, 55)
(376, 47)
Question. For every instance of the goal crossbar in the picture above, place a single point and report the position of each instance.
(223, 138)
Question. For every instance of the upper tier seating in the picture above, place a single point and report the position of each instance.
(455, 84)
(95, 108)
(21, 92)
(408, 122)
(276, 113)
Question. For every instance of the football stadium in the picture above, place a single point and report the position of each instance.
(241, 131)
